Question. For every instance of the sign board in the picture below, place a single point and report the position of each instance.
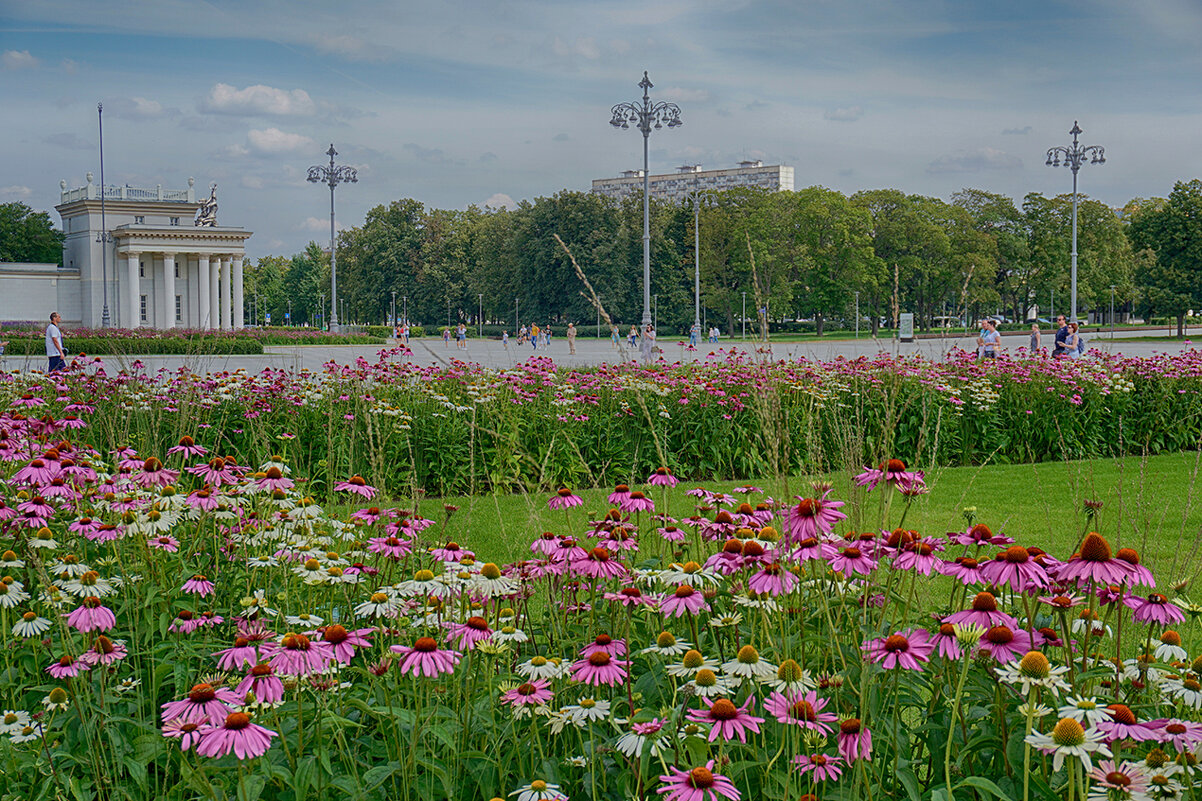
(287, 315)
(268, 318)
(905, 327)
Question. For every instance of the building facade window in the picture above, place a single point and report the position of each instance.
(175, 220)
(179, 308)
(138, 220)
(177, 271)
(143, 305)
(141, 270)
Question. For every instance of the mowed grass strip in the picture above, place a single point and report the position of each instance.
(1151, 504)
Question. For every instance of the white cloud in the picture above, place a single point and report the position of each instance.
(17, 191)
(979, 160)
(677, 94)
(18, 60)
(585, 46)
(257, 99)
(134, 107)
(352, 48)
(500, 200)
(1023, 131)
(69, 66)
(847, 114)
(319, 225)
(273, 140)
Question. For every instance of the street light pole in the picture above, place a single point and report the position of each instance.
(1112, 312)
(480, 314)
(655, 322)
(333, 176)
(697, 198)
(744, 315)
(394, 311)
(321, 304)
(1073, 157)
(646, 115)
(405, 299)
(857, 315)
(104, 237)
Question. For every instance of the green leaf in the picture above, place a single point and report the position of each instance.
(985, 786)
(910, 782)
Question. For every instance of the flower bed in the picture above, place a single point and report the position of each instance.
(187, 625)
(466, 429)
(145, 341)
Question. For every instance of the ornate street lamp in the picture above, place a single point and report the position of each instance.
(1073, 157)
(698, 198)
(104, 236)
(646, 115)
(333, 176)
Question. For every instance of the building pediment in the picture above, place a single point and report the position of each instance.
(178, 237)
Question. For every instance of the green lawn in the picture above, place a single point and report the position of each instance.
(1150, 504)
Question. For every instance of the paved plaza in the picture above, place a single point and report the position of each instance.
(589, 352)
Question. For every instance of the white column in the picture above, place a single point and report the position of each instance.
(169, 289)
(236, 281)
(214, 294)
(133, 300)
(203, 281)
(226, 319)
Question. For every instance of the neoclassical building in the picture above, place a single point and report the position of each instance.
(166, 268)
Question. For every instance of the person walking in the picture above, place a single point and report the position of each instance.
(571, 339)
(694, 335)
(505, 339)
(633, 337)
(990, 340)
(614, 336)
(1061, 343)
(54, 345)
(1035, 338)
(446, 337)
(647, 343)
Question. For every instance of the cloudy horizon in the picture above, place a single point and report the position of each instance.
(463, 103)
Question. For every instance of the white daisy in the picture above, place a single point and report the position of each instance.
(1081, 709)
(539, 790)
(1068, 739)
(379, 605)
(748, 665)
(30, 625)
(667, 645)
(13, 720)
(1034, 670)
(588, 709)
(687, 667)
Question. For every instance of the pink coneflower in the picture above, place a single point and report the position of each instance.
(466, 635)
(1154, 609)
(262, 681)
(273, 479)
(188, 734)
(154, 474)
(812, 516)
(357, 485)
(164, 542)
(203, 703)
(1061, 602)
(811, 549)
(425, 658)
(597, 564)
(236, 734)
(804, 709)
(242, 652)
(620, 494)
(389, 547)
(92, 615)
(185, 622)
(1094, 564)
(904, 649)
(685, 600)
(536, 692)
(727, 720)
(297, 655)
(619, 539)
(1140, 575)
(104, 652)
(892, 471)
(947, 644)
(980, 534)
(631, 597)
(1184, 735)
(1124, 725)
(822, 766)
(1005, 644)
(1015, 567)
(342, 643)
(216, 472)
(637, 502)
(919, 556)
(451, 552)
(546, 543)
(198, 585)
(203, 499)
(855, 740)
(67, 667)
(772, 579)
(1127, 781)
(698, 784)
(564, 499)
(671, 533)
(851, 560)
(38, 471)
(599, 668)
(604, 644)
(188, 447)
(662, 477)
(983, 612)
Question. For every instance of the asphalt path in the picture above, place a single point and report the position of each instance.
(589, 352)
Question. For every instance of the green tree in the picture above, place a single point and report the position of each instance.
(29, 236)
(1172, 282)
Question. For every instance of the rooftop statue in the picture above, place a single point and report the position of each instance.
(206, 215)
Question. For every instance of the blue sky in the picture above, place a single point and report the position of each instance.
(458, 102)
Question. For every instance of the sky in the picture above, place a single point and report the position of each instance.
(455, 102)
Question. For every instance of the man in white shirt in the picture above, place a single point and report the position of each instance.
(54, 345)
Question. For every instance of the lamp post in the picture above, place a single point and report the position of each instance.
(405, 300)
(744, 335)
(321, 303)
(394, 311)
(1073, 157)
(655, 321)
(480, 314)
(1112, 312)
(646, 115)
(103, 237)
(290, 312)
(698, 198)
(857, 315)
(332, 176)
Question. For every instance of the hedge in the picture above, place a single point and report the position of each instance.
(140, 346)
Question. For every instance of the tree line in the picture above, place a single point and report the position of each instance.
(812, 254)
